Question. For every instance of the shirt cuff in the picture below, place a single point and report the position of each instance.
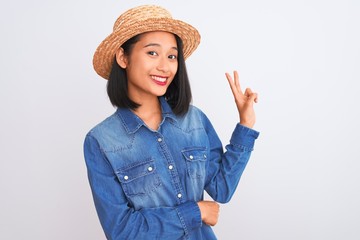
(190, 216)
(244, 137)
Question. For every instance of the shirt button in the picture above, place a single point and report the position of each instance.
(126, 177)
(171, 167)
(179, 195)
(191, 157)
(150, 169)
(159, 139)
(204, 155)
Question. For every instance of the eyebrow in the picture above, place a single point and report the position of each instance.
(157, 45)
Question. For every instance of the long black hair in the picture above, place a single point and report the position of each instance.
(178, 94)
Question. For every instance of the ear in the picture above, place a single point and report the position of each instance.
(121, 58)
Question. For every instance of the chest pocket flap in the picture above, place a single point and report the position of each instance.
(139, 178)
(195, 154)
(195, 162)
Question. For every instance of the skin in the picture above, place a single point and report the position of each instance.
(150, 69)
(244, 100)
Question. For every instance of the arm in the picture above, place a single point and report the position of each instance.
(225, 169)
(118, 219)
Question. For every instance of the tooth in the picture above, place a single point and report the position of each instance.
(159, 79)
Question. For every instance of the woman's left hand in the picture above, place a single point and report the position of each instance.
(244, 101)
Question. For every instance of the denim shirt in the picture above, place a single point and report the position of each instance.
(146, 183)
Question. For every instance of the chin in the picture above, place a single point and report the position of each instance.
(160, 93)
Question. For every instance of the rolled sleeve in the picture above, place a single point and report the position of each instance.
(244, 137)
(190, 216)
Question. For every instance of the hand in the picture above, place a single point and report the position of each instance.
(209, 212)
(244, 101)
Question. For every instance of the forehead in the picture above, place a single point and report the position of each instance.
(158, 37)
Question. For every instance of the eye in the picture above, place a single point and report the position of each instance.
(152, 53)
(172, 57)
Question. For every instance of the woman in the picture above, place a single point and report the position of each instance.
(150, 162)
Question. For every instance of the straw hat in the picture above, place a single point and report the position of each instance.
(138, 20)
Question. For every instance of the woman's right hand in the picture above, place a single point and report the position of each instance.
(209, 212)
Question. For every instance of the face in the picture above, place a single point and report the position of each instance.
(151, 66)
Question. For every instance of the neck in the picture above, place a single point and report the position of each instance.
(148, 106)
(150, 112)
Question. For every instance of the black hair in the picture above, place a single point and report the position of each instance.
(178, 94)
(117, 85)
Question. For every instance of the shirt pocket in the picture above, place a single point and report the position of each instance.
(139, 178)
(195, 161)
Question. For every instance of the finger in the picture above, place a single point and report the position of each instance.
(248, 92)
(229, 78)
(237, 82)
(253, 97)
(231, 83)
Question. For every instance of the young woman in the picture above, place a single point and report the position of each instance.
(151, 161)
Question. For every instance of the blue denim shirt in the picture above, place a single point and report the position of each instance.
(146, 183)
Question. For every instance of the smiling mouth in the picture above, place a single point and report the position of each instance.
(159, 80)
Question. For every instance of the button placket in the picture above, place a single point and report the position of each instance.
(175, 180)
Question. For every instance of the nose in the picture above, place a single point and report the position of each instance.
(163, 64)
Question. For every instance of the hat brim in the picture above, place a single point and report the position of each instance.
(105, 52)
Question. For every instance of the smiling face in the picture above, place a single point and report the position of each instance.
(151, 65)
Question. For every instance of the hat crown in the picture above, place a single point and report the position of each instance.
(141, 13)
(138, 20)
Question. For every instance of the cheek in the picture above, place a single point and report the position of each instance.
(136, 67)
(174, 68)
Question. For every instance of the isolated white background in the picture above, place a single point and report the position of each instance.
(302, 57)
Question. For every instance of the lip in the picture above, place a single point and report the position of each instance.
(159, 80)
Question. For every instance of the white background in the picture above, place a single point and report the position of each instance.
(302, 57)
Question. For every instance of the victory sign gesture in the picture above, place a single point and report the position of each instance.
(244, 101)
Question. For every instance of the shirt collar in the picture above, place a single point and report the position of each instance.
(132, 122)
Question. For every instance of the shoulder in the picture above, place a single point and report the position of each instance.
(106, 127)
(195, 118)
(196, 112)
(111, 134)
